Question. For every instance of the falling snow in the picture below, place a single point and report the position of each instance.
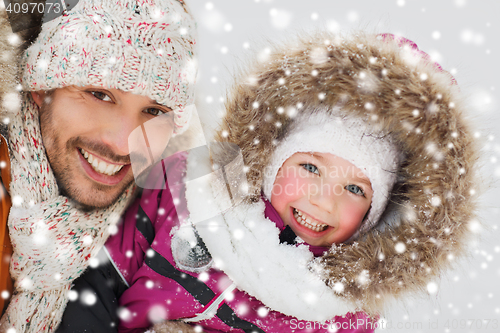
(456, 41)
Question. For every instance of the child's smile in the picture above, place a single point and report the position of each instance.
(322, 197)
(307, 221)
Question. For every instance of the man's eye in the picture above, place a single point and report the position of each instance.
(101, 96)
(311, 168)
(355, 189)
(154, 111)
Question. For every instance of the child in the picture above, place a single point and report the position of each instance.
(357, 146)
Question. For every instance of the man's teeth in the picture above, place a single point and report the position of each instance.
(101, 166)
(308, 221)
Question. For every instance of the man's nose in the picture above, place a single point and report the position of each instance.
(116, 130)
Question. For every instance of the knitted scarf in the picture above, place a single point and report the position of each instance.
(51, 238)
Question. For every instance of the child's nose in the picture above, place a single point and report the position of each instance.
(325, 197)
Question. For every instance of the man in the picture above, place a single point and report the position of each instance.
(89, 79)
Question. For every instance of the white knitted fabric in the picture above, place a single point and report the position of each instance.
(52, 240)
(351, 139)
(145, 47)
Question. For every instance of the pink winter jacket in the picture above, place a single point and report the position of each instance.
(160, 290)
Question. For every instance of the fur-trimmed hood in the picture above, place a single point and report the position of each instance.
(397, 89)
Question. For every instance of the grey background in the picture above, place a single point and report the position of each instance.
(464, 37)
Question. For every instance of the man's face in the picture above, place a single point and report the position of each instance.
(85, 132)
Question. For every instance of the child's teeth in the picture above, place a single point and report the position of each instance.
(308, 222)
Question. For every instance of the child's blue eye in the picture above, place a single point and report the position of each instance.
(311, 168)
(355, 189)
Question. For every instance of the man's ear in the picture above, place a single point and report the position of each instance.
(38, 97)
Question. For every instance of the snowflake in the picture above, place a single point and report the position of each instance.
(11, 101)
(242, 309)
(363, 278)
(280, 18)
(124, 314)
(262, 311)
(94, 262)
(338, 287)
(204, 276)
(88, 298)
(17, 200)
(333, 26)
(87, 240)
(157, 313)
(291, 112)
(310, 298)
(432, 287)
(113, 229)
(435, 201)
(400, 247)
(263, 55)
(474, 226)
(352, 16)
(72, 295)
(26, 283)
(229, 296)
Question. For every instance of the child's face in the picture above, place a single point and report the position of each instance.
(322, 197)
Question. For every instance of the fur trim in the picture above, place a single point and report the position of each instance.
(396, 90)
(173, 326)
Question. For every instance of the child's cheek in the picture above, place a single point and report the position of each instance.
(289, 187)
(352, 215)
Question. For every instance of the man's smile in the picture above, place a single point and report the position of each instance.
(100, 170)
(100, 165)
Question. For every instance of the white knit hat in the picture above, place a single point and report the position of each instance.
(372, 152)
(144, 47)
